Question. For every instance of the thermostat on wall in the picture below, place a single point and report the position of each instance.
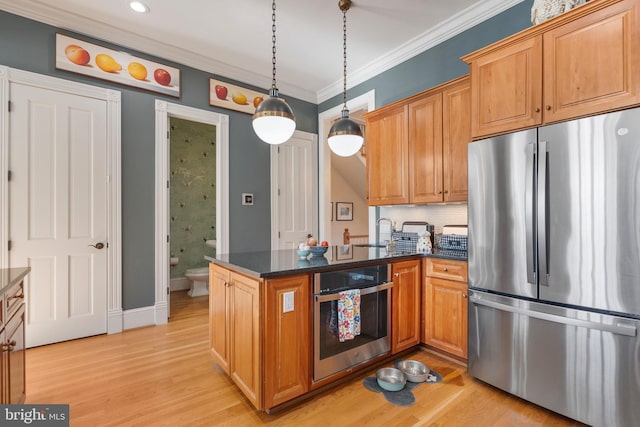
(247, 199)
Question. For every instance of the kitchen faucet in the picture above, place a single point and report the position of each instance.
(380, 240)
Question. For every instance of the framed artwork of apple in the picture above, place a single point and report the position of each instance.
(232, 97)
(82, 57)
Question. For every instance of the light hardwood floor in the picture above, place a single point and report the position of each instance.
(163, 376)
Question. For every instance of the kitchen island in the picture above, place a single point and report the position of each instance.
(262, 315)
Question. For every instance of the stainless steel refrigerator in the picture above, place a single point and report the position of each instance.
(554, 266)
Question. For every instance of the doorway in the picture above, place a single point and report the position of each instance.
(60, 209)
(164, 112)
(328, 174)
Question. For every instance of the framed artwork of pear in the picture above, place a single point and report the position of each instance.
(233, 97)
(82, 57)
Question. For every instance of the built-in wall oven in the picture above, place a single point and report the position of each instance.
(374, 284)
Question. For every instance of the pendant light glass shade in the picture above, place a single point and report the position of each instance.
(273, 120)
(345, 136)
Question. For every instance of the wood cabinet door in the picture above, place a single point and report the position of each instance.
(445, 303)
(592, 64)
(506, 88)
(456, 135)
(16, 360)
(245, 337)
(287, 339)
(405, 305)
(387, 159)
(219, 315)
(425, 150)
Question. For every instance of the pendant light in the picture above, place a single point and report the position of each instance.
(345, 136)
(273, 120)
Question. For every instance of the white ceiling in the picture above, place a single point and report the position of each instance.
(232, 38)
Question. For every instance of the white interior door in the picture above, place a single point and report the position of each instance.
(295, 191)
(58, 211)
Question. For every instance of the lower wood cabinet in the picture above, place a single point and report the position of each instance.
(12, 340)
(445, 306)
(405, 305)
(245, 352)
(260, 334)
(287, 339)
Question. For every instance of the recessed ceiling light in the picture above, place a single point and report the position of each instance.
(138, 6)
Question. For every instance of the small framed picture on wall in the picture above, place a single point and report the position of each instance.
(344, 211)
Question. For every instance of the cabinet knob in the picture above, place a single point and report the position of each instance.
(446, 191)
(464, 296)
(548, 108)
(396, 274)
(537, 109)
(439, 192)
(445, 269)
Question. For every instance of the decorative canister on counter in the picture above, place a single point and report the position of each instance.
(424, 243)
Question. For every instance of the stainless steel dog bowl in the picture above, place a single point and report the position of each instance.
(391, 379)
(415, 371)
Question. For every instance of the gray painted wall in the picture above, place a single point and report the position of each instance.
(440, 63)
(29, 45)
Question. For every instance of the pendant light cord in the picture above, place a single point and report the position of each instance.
(344, 48)
(273, 41)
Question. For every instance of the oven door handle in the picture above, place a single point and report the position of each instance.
(365, 291)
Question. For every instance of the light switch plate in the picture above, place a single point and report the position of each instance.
(287, 302)
(247, 199)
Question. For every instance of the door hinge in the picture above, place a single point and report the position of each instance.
(167, 183)
(9, 106)
(168, 135)
(278, 234)
(9, 176)
(167, 238)
(9, 245)
(278, 191)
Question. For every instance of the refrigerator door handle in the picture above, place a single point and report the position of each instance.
(620, 329)
(542, 209)
(530, 207)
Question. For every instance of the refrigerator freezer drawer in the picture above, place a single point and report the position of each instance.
(580, 364)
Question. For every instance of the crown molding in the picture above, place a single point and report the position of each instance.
(45, 13)
(474, 14)
(462, 21)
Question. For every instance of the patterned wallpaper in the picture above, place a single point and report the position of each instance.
(192, 192)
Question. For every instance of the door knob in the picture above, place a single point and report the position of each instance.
(98, 245)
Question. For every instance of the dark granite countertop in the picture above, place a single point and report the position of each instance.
(286, 262)
(11, 276)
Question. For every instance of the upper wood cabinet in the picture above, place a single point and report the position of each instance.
(405, 305)
(387, 158)
(456, 135)
(417, 147)
(583, 62)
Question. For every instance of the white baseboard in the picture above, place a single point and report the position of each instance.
(139, 317)
(114, 321)
(179, 284)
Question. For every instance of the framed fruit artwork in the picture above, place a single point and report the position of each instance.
(82, 57)
(232, 97)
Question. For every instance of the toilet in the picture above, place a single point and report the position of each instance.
(199, 278)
